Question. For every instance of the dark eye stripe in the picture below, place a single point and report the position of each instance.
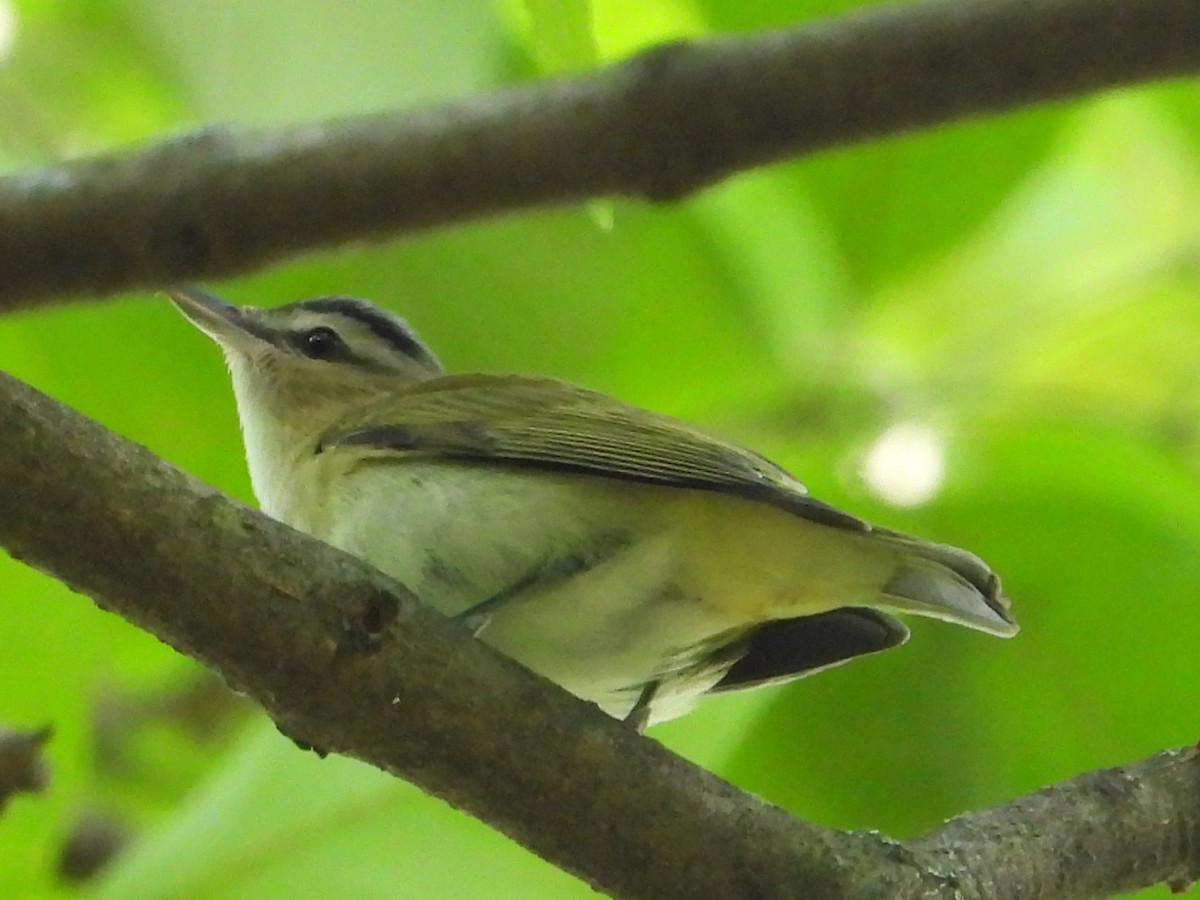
(322, 342)
(387, 328)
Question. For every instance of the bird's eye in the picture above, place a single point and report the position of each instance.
(320, 342)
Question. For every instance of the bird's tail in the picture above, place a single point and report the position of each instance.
(943, 582)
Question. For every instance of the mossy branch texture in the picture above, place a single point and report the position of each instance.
(658, 126)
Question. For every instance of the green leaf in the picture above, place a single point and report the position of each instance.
(278, 822)
(561, 35)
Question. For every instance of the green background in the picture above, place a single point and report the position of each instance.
(1022, 291)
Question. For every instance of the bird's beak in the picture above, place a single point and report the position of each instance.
(226, 324)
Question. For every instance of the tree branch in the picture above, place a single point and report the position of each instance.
(348, 661)
(664, 123)
(343, 659)
(1101, 833)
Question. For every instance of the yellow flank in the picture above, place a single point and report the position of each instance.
(756, 562)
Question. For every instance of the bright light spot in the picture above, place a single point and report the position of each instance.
(8, 27)
(906, 464)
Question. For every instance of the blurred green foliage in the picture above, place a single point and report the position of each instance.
(1024, 291)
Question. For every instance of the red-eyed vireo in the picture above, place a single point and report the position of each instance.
(634, 559)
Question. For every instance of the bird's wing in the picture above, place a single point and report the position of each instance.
(553, 425)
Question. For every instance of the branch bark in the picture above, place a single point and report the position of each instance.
(348, 661)
(658, 126)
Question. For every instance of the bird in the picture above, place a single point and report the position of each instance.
(636, 560)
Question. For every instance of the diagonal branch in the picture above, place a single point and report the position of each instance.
(658, 126)
(346, 660)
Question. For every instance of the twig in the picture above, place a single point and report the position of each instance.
(658, 126)
(1096, 835)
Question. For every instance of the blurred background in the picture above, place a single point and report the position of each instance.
(987, 334)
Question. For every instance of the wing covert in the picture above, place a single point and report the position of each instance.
(553, 425)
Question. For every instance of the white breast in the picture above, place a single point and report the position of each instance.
(598, 593)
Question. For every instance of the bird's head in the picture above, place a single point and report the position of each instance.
(308, 361)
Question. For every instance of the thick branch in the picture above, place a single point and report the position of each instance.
(341, 658)
(344, 659)
(658, 126)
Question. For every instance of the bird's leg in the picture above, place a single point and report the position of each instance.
(478, 617)
(639, 717)
(605, 547)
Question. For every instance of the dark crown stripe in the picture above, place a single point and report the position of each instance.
(385, 327)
